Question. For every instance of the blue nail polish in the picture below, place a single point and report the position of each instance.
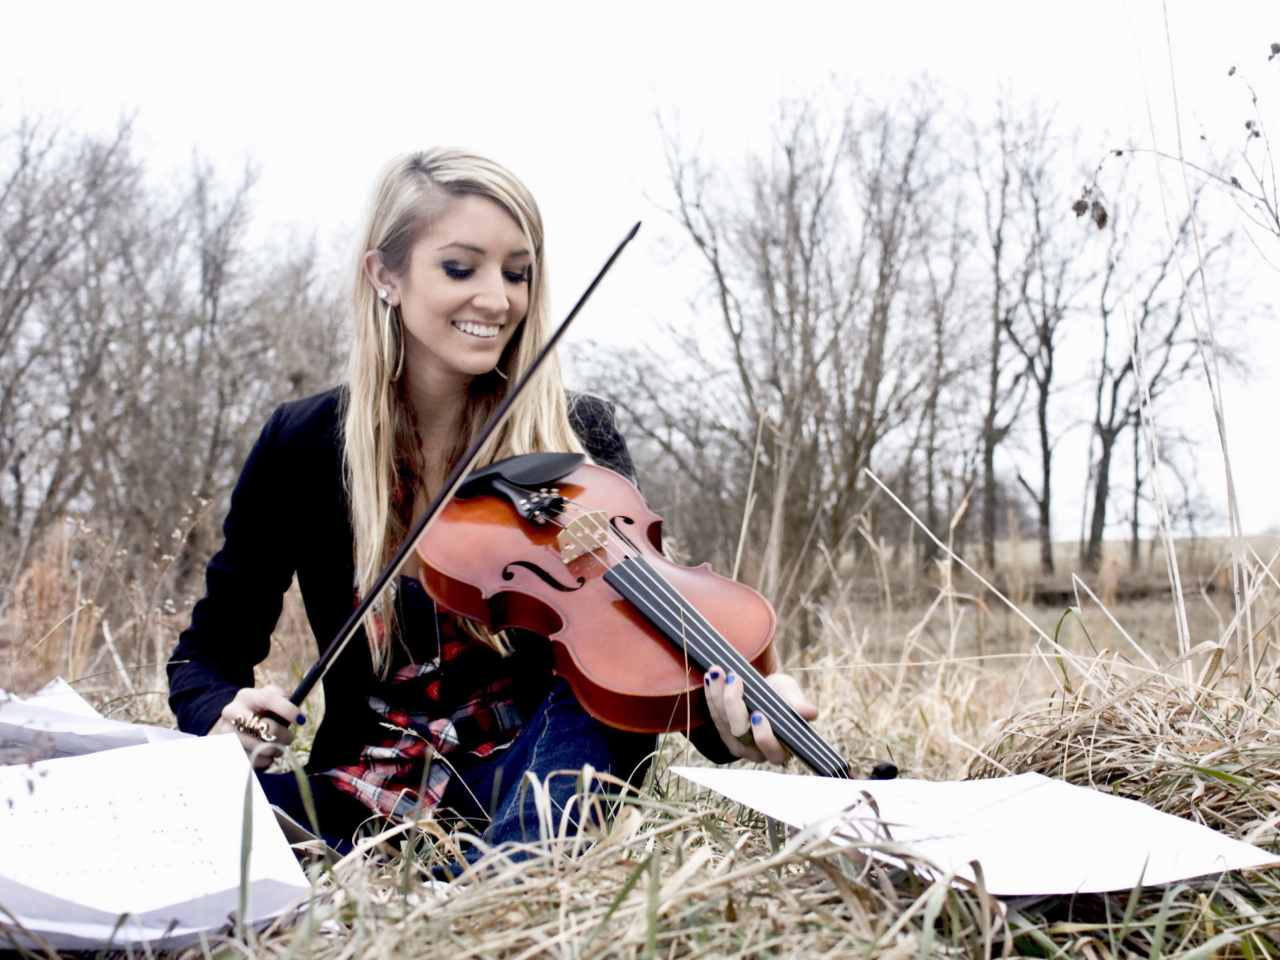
(707, 681)
(301, 719)
(756, 719)
(714, 674)
(729, 678)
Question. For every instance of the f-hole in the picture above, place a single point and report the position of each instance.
(548, 579)
(614, 522)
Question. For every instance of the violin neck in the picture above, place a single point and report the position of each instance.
(663, 606)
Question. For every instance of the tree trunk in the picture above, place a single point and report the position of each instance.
(1135, 552)
(1046, 472)
(989, 447)
(1101, 491)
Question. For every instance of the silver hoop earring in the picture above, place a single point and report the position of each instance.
(392, 345)
(498, 371)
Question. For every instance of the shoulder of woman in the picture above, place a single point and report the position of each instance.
(588, 412)
(317, 418)
(592, 419)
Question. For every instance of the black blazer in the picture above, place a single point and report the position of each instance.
(289, 514)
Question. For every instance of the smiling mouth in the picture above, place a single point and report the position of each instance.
(487, 331)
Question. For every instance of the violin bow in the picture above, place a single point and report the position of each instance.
(446, 492)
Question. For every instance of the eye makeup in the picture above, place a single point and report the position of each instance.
(454, 270)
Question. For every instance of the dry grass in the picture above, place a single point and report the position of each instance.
(674, 878)
(939, 688)
(1190, 749)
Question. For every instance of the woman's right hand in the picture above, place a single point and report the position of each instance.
(252, 703)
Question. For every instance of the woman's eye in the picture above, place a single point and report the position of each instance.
(519, 276)
(456, 271)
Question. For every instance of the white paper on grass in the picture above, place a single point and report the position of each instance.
(1032, 835)
(57, 694)
(152, 831)
(58, 722)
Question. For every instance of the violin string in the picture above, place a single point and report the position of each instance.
(785, 721)
(685, 616)
(684, 619)
(730, 655)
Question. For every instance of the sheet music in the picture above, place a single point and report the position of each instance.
(1032, 835)
(57, 694)
(58, 722)
(91, 846)
(151, 830)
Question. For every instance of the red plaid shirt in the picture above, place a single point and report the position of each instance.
(448, 701)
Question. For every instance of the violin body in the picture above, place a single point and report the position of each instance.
(484, 560)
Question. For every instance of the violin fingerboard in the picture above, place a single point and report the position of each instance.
(680, 622)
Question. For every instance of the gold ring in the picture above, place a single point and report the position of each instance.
(255, 725)
(747, 738)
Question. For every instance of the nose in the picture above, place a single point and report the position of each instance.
(491, 296)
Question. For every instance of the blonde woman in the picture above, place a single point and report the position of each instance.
(425, 710)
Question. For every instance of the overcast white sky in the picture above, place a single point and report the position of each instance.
(318, 95)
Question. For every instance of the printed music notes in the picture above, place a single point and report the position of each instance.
(138, 844)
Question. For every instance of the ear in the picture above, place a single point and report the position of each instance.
(381, 278)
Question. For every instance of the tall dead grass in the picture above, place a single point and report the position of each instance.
(959, 686)
(75, 613)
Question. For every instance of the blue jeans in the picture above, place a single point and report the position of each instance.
(492, 797)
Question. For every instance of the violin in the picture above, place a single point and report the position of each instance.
(570, 550)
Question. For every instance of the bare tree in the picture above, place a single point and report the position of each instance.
(54, 203)
(1054, 277)
(816, 277)
(141, 345)
(848, 272)
(947, 364)
(1007, 264)
(1160, 327)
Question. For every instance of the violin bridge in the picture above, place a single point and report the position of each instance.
(584, 533)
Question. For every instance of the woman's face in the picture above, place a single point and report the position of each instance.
(464, 293)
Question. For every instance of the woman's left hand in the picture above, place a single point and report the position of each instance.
(734, 722)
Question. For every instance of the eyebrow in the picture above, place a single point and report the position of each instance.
(480, 250)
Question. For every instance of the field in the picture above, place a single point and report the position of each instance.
(946, 680)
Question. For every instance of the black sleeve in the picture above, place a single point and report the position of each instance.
(593, 421)
(231, 626)
(708, 743)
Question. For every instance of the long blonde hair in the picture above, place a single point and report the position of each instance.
(382, 456)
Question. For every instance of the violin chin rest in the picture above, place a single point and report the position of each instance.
(529, 470)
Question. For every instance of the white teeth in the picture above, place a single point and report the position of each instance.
(477, 329)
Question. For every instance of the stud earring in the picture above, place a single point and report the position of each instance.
(382, 294)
